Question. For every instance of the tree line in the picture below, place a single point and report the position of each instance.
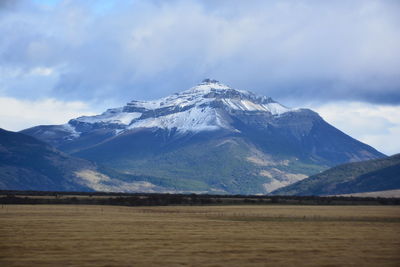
(157, 199)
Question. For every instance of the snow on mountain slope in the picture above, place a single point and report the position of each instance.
(246, 105)
(200, 108)
(112, 116)
(195, 120)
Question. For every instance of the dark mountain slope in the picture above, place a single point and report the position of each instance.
(29, 164)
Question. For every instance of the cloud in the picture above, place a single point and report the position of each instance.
(302, 50)
(8, 4)
(373, 124)
(18, 114)
(342, 56)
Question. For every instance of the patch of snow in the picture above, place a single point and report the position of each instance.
(112, 116)
(207, 88)
(276, 108)
(247, 105)
(154, 104)
(71, 129)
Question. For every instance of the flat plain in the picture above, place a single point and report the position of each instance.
(263, 235)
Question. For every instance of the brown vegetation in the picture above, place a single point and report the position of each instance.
(59, 235)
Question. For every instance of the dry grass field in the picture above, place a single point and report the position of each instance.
(56, 235)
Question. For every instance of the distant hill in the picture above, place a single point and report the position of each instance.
(210, 138)
(367, 176)
(29, 164)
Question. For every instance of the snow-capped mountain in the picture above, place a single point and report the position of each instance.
(210, 138)
(197, 109)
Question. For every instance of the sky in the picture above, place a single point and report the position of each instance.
(61, 59)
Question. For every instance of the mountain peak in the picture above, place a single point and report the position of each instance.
(208, 85)
(207, 81)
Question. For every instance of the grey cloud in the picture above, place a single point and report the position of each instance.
(294, 50)
(8, 4)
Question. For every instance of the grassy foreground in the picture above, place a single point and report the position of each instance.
(60, 235)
